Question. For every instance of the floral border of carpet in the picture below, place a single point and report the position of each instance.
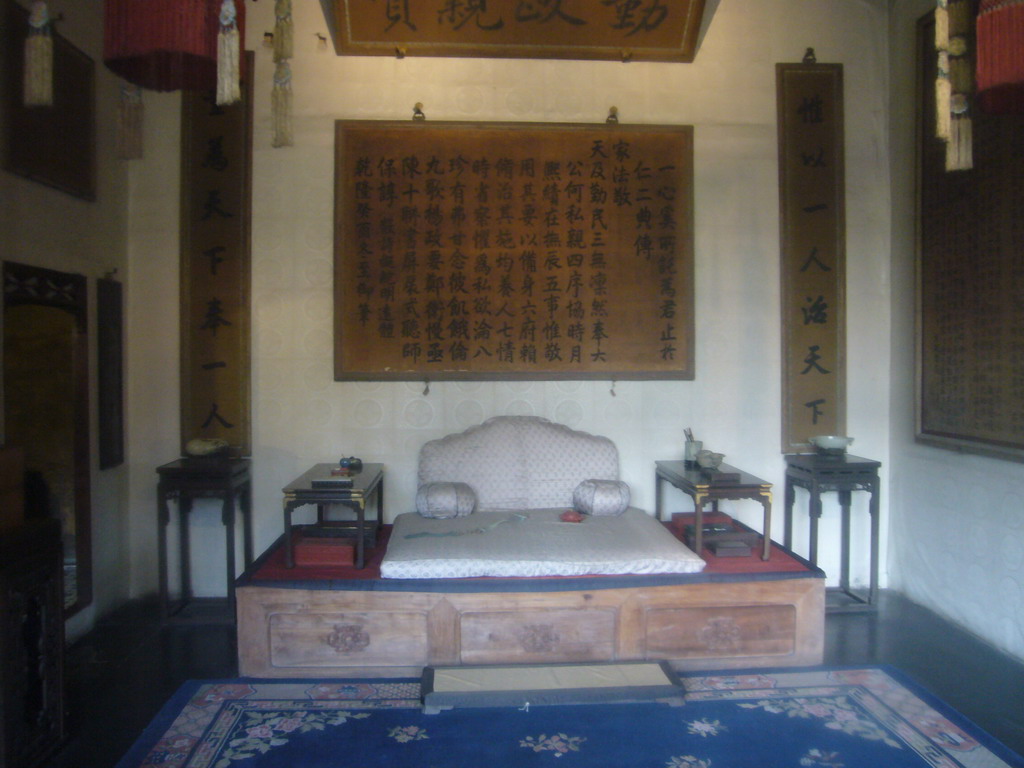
(231, 723)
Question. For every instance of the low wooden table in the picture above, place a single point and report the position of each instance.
(301, 491)
(702, 486)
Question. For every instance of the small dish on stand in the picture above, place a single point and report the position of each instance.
(831, 445)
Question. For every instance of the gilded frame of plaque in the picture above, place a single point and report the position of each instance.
(569, 29)
(516, 250)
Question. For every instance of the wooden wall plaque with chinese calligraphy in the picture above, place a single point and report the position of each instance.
(652, 30)
(813, 246)
(530, 251)
(215, 258)
(970, 292)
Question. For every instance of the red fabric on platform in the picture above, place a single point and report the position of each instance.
(779, 560)
(273, 567)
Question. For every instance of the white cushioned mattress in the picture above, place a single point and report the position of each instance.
(533, 543)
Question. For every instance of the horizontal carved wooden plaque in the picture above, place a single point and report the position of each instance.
(513, 250)
(649, 30)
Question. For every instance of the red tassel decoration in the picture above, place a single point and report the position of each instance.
(1000, 56)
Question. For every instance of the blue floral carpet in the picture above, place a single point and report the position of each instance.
(840, 718)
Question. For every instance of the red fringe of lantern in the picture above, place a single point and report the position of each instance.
(165, 45)
(1000, 56)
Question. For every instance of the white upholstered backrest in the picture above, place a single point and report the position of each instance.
(519, 462)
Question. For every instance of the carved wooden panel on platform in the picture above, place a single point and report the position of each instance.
(530, 251)
(643, 30)
(970, 282)
(302, 633)
(490, 637)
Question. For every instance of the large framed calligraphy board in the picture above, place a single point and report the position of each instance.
(812, 207)
(641, 30)
(522, 250)
(970, 281)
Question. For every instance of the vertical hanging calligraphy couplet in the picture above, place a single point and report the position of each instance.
(215, 254)
(813, 247)
(530, 251)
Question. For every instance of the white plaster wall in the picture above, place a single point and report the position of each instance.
(152, 402)
(46, 228)
(302, 416)
(957, 527)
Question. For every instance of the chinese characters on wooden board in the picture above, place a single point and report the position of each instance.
(215, 255)
(813, 234)
(518, 250)
(652, 30)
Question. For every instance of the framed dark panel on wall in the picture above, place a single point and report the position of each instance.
(110, 371)
(970, 281)
(514, 250)
(53, 145)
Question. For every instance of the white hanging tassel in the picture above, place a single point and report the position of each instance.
(960, 146)
(38, 83)
(129, 123)
(943, 87)
(229, 89)
(283, 30)
(281, 105)
(959, 149)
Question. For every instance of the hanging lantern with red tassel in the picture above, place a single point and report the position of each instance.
(169, 45)
(1000, 56)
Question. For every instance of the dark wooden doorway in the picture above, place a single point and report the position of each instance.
(46, 408)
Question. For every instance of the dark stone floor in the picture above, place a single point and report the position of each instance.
(121, 673)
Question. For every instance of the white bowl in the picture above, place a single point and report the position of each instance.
(831, 442)
(710, 459)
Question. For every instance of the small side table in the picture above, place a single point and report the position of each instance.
(821, 472)
(187, 480)
(706, 486)
(302, 491)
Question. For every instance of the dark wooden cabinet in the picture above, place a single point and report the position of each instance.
(31, 643)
